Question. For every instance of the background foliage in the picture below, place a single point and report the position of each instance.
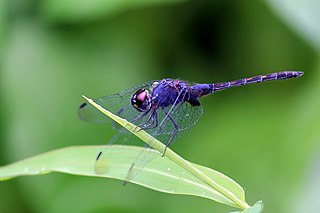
(263, 136)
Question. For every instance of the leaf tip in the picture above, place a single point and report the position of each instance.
(85, 97)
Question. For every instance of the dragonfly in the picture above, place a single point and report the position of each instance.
(164, 108)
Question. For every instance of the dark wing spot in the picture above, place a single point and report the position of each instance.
(98, 155)
(83, 105)
(120, 111)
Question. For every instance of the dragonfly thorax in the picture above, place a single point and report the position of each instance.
(141, 100)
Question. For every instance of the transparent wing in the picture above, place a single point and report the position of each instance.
(183, 114)
(118, 104)
(123, 136)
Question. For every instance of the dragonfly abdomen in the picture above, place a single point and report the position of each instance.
(205, 89)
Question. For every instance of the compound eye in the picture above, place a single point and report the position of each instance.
(140, 100)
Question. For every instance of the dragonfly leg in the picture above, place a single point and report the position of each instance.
(148, 123)
(141, 115)
(176, 127)
(154, 122)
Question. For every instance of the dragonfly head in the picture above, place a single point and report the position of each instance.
(141, 100)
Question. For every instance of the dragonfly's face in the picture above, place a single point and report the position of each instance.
(141, 100)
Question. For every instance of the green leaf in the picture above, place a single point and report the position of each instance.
(161, 148)
(170, 174)
(256, 208)
(161, 174)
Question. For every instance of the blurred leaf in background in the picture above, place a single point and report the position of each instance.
(86, 10)
(302, 16)
(54, 51)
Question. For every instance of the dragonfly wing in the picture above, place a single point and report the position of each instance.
(119, 104)
(140, 161)
(143, 158)
(184, 115)
(122, 137)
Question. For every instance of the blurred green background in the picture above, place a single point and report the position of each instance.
(266, 136)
